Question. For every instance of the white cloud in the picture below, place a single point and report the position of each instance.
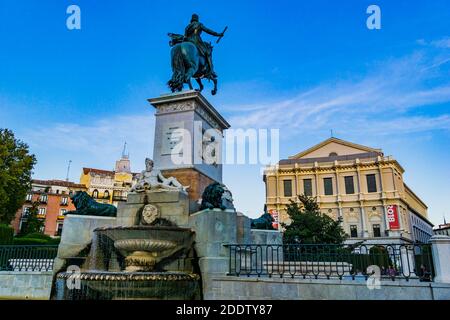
(393, 90)
(96, 145)
(441, 43)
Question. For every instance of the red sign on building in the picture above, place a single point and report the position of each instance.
(392, 217)
(274, 214)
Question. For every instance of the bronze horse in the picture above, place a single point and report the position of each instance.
(187, 63)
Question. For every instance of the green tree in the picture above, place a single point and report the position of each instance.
(6, 234)
(33, 223)
(16, 165)
(309, 226)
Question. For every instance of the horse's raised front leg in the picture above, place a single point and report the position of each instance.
(200, 84)
(214, 91)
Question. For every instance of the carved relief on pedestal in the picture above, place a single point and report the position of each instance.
(149, 214)
(208, 118)
(176, 107)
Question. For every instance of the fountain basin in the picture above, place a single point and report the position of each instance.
(143, 254)
(141, 248)
(99, 285)
(150, 245)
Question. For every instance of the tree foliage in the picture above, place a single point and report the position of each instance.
(6, 234)
(33, 223)
(309, 226)
(16, 165)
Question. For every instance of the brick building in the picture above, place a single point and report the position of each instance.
(53, 198)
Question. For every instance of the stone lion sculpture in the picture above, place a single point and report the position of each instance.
(86, 206)
(217, 196)
(265, 222)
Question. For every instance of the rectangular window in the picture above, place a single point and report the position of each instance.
(307, 187)
(59, 229)
(26, 211)
(29, 197)
(287, 184)
(64, 201)
(349, 185)
(328, 186)
(376, 230)
(371, 183)
(23, 225)
(353, 231)
(43, 198)
(42, 211)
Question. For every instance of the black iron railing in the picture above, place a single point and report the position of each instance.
(389, 261)
(27, 258)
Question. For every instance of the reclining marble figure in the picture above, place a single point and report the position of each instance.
(151, 179)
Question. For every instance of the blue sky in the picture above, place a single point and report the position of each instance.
(302, 66)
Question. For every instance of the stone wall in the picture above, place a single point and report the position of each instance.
(243, 288)
(25, 285)
(78, 233)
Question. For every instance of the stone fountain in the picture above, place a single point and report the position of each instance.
(146, 257)
(136, 262)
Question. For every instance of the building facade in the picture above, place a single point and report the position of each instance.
(443, 229)
(109, 187)
(356, 184)
(54, 201)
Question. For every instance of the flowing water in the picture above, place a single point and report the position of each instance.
(103, 275)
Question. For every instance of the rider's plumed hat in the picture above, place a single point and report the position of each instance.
(195, 17)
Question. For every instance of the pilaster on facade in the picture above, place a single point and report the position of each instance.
(365, 232)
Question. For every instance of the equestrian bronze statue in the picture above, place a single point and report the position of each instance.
(192, 57)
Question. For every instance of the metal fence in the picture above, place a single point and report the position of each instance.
(351, 262)
(27, 258)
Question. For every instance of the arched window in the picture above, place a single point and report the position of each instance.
(106, 194)
(333, 154)
(95, 194)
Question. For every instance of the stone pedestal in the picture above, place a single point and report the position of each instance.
(440, 245)
(213, 229)
(185, 124)
(196, 181)
(172, 205)
(271, 253)
(271, 237)
(244, 235)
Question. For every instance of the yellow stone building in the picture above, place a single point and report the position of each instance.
(356, 184)
(109, 186)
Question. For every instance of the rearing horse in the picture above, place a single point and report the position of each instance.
(188, 63)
